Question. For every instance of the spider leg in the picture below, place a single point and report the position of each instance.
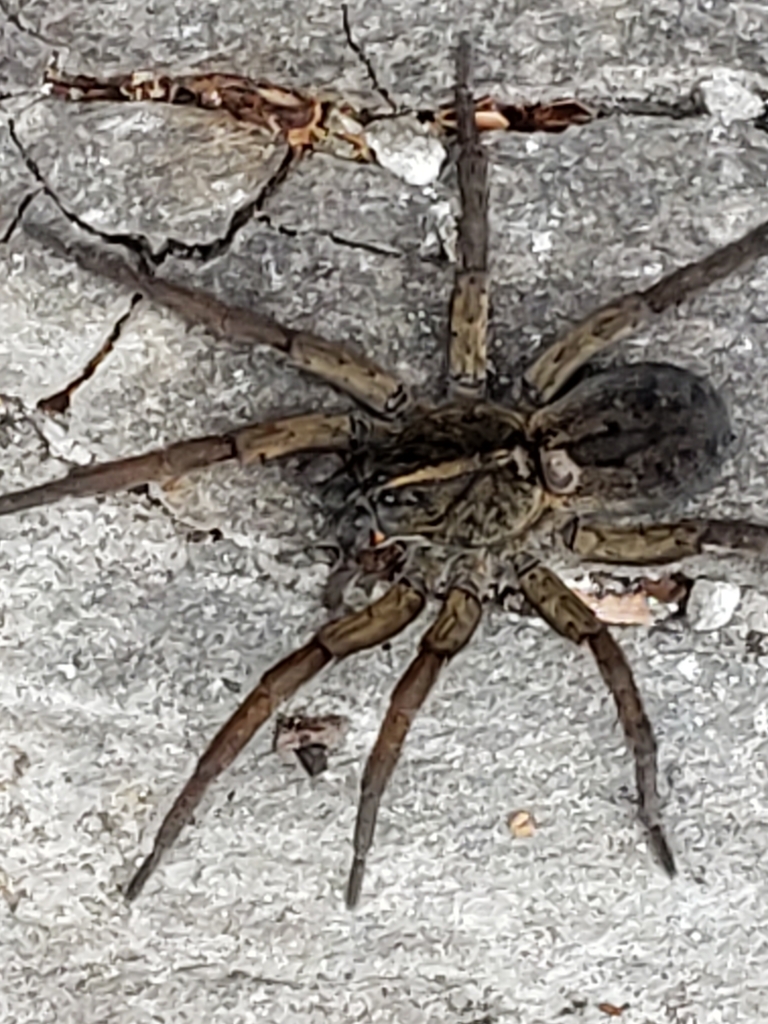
(256, 442)
(657, 543)
(569, 616)
(367, 628)
(342, 366)
(453, 628)
(558, 363)
(467, 350)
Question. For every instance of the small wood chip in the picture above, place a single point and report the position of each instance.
(521, 824)
(611, 1010)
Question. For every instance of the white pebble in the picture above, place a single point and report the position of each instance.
(711, 604)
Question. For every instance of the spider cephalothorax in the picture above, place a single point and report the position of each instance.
(448, 500)
(474, 474)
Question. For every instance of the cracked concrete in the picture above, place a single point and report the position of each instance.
(59, 402)
(126, 631)
(359, 51)
(257, 182)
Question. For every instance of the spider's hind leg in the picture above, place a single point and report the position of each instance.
(569, 616)
(373, 625)
(255, 442)
(452, 630)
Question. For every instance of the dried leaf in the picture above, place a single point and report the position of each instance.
(630, 609)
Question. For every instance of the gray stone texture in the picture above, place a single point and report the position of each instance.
(128, 630)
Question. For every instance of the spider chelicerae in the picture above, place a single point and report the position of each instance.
(451, 500)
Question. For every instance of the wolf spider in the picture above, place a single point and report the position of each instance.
(447, 500)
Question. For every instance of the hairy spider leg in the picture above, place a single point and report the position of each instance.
(452, 629)
(355, 632)
(549, 374)
(255, 442)
(467, 348)
(658, 543)
(567, 614)
(345, 367)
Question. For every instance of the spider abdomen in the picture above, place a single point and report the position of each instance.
(637, 435)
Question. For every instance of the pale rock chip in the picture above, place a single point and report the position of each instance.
(406, 149)
(711, 604)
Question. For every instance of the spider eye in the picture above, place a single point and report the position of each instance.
(403, 497)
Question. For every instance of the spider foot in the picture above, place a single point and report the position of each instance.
(355, 882)
(139, 880)
(660, 849)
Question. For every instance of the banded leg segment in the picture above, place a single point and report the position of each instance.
(342, 366)
(570, 617)
(467, 351)
(452, 629)
(378, 622)
(659, 543)
(557, 364)
(256, 442)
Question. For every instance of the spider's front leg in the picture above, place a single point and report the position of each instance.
(569, 616)
(467, 349)
(616, 320)
(256, 442)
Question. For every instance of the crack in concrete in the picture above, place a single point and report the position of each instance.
(136, 244)
(16, 219)
(59, 402)
(203, 252)
(200, 252)
(692, 105)
(365, 60)
(369, 247)
(340, 240)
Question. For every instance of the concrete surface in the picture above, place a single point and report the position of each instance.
(129, 626)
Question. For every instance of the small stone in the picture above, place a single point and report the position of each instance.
(405, 148)
(732, 95)
(711, 604)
